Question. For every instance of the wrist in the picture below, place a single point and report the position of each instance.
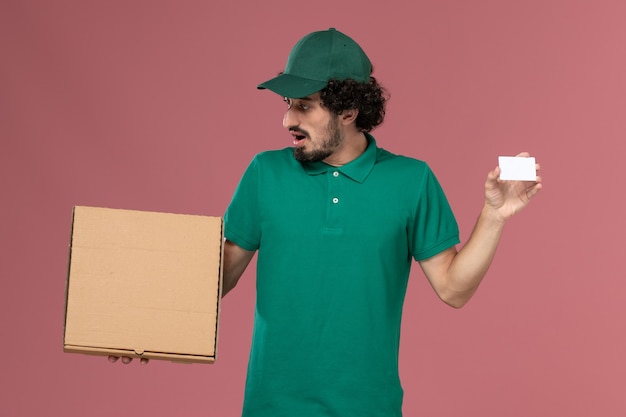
(491, 216)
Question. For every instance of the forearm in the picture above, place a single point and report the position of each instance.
(236, 260)
(230, 278)
(471, 263)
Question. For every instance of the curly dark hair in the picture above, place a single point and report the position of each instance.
(369, 98)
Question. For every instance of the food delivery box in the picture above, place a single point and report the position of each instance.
(144, 284)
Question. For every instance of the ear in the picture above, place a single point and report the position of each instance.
(348, 116)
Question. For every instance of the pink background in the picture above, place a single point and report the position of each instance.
(152, 105)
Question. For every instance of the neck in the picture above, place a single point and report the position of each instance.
(354, 144)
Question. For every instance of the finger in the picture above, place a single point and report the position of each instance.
(523, 154)
(532, 191)
(126, 360)
(144, 361)
(113, 359)
(494, 174)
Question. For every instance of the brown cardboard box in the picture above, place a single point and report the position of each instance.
(144, 284)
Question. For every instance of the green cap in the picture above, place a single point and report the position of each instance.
(318, 58)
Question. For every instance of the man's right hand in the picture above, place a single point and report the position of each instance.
(127, 359)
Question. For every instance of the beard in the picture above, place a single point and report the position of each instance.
(333, 139)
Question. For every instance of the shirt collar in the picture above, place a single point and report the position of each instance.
(358, 169)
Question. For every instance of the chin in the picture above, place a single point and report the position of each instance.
(313, 156)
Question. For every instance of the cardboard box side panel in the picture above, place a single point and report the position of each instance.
(220, 286)
(67, 277)
(174, 357)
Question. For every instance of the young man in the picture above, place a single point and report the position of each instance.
(336, 220)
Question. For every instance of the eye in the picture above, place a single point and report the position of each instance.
(300, 105)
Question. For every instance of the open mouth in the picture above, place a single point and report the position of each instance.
(298, 137)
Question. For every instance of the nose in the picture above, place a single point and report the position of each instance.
(290, 119)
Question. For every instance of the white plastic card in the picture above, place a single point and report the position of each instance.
(517, 168)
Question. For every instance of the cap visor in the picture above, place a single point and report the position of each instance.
(293, 87)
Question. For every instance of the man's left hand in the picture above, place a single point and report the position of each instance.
(507, 198)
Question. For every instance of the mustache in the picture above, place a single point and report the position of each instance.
(297, 130)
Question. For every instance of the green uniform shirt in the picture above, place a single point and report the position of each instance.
(334, 254)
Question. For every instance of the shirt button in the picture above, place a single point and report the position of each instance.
(335, 200)
(335, 174)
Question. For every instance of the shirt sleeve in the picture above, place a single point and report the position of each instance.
(433, 227)
(241, 220)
